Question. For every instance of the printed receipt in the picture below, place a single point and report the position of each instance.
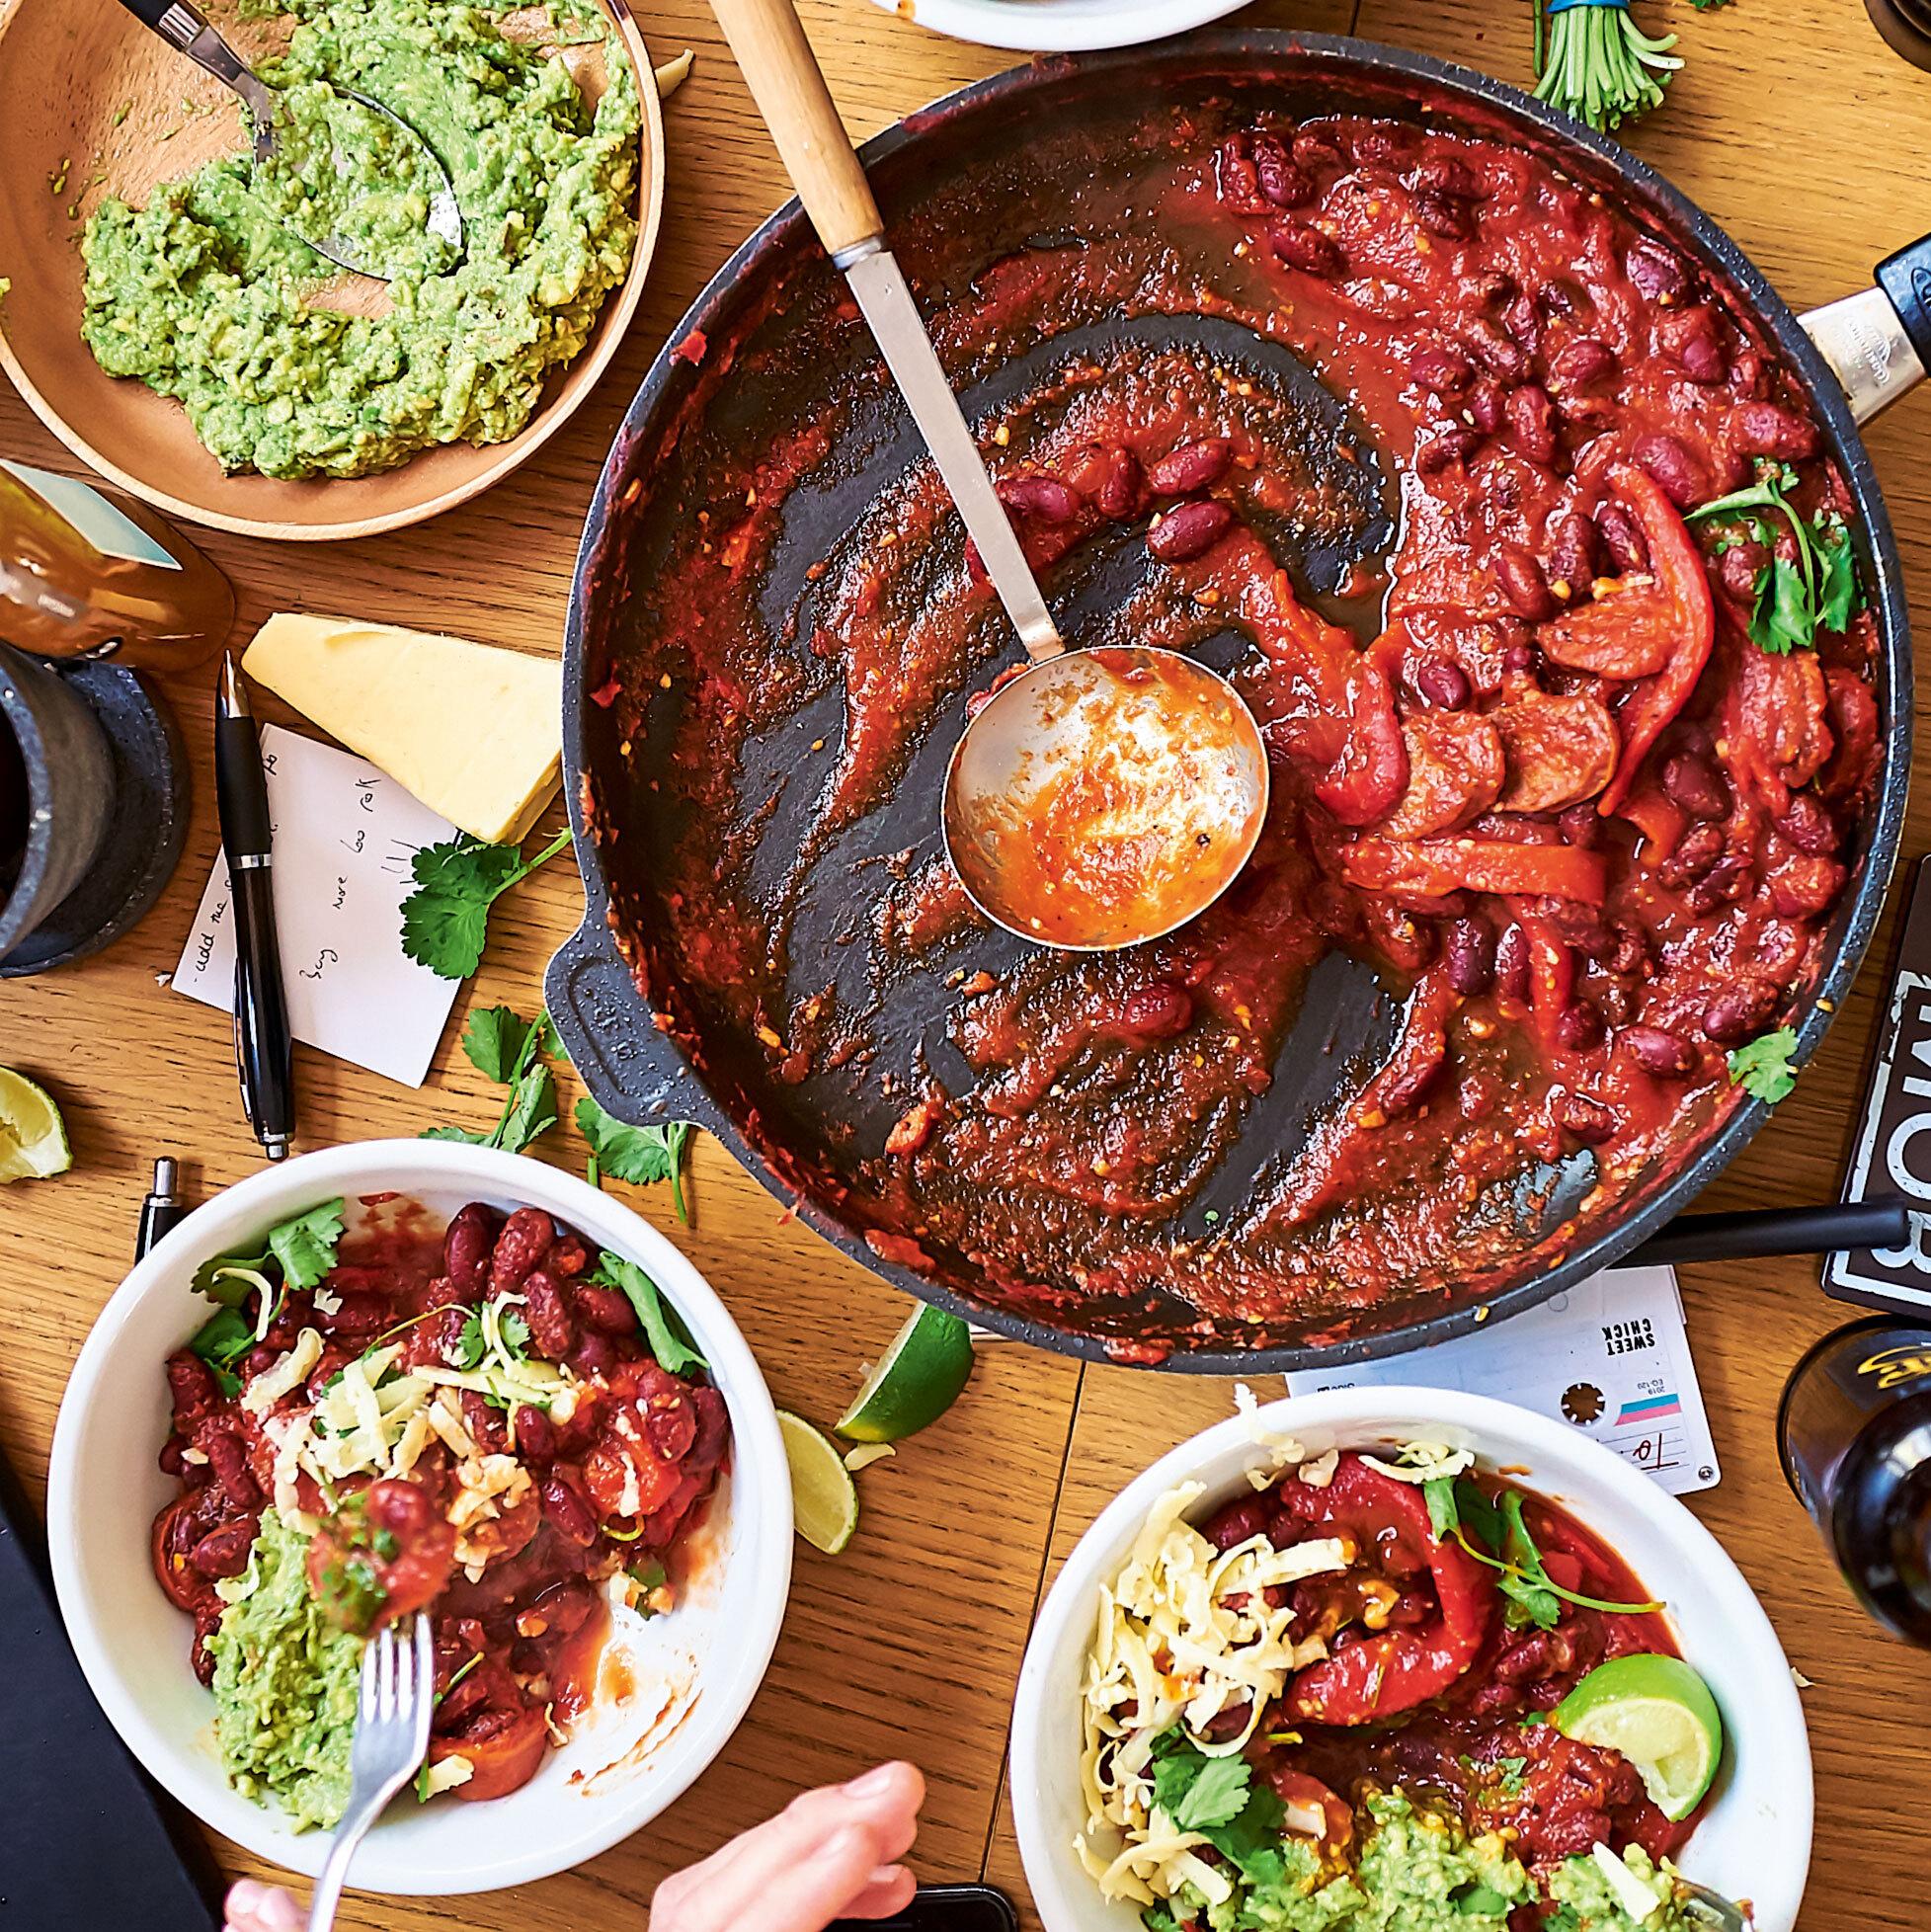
(344, 834)
(1610, 1357)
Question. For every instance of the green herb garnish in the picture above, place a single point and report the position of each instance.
(1794, 598)
(445, 919)
(1597, 63)
(528, 1110)
(1761, 1067)
(666, 1335)
(639, 1154)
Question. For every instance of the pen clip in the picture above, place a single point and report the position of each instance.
(244, 1006)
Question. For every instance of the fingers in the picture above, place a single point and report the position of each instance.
(889, 1890)
(804, 1867)
(255, 1907)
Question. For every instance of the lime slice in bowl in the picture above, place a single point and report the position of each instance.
(32, 1136)
(1659, 1714)
(917, 1382)
(824, 1499)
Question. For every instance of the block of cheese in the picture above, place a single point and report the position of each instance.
(473, 730)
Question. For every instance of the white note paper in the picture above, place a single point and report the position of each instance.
(1610, 1357)
(344, 837)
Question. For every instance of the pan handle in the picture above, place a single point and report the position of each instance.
(1878, 342)
(632, 1069)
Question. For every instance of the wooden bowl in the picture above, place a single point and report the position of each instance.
(97, 106)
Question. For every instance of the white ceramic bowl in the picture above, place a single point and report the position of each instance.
(1060, 25)
(694, 1670)
(1754, 1841)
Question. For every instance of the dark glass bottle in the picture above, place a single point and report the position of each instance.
(1854, 1432)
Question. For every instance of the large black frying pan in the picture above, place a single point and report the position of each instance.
(779, 284)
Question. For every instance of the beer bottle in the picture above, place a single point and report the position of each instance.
(1854, 1434)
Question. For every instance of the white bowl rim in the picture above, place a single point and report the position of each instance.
(236, 1213)
(1056, 27)
(1068, 1605)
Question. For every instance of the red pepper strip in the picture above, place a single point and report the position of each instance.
(1678, 566)
(1375, 1676)
(1552, 971)
(1435, 868)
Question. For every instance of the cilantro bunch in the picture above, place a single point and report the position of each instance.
(295, 1254)
(1597, 65)
(1795, 597)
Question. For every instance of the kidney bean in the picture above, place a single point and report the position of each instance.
(1044, 498)
(224, 1552)
(1809, 826)
(438, 1339)
(1120, 484)
(1726, 881)
(228, 1458)
(525, 1241)
(1676, 471)
(1500, 354)
(1657, 273)
(1572, 554)
(1513, 964)
(1693, 783)
(552, 1327)
(191, 1388)
(1622, 536)
(1442, 214)
(1739, 1012)
(466, 1249)
(1383, 143)
(1447, 447)
(594, 1354)
(1297, 246)
(1316, 148)
(1236, 179)
(1440, 366)
(360, 1315)
(535, 1436)
(1580, 823)
(1469, 956)
(1739, 567)
(488, 1427)
(565, 1607)
(1696, 851)
(1531, 423)
(1702, 357)
(1581, 363)
(1523, 583)
(1443, 683)
(566, 1511)
(1617, 1002)
(607, 1310)
(1486, 409)
(443, 1293)
(1188, 530)
(1280, 179)
(1193, 466)
(174, 1456)
(672, 1426)
(1765, 428)
(1522, 318)
(1578, 1026)
(568, 1256)
(1447, 174)
(1657, 1051)
(1520, 657)
(1588, 1120)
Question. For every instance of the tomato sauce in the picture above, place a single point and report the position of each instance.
(1530, 768)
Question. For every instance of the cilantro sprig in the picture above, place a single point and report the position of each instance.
(529, 1107)
(445, 919)
(1795, 597)
(295, 1254)
(669, 1340)
(1761, 1067)
(1218, 1797)
(639, 1155)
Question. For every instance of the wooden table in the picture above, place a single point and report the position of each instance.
(1796, 128)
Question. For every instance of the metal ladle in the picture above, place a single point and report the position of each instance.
(187, 32)
(1140, 772)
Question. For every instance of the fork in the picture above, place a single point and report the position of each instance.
(1713, 1909)
(398, 1698)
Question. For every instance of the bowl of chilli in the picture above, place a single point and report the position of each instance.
(409, 1375)
(1404, 1651)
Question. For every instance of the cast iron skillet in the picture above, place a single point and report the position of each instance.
(639, 1072)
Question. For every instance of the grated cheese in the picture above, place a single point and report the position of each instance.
(445, 1774)
(283, 1375)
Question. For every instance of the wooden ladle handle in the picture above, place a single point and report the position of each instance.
(783, 76)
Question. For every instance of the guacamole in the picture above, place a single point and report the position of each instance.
(1585, 1901)
(286, 1685)
(203, 294)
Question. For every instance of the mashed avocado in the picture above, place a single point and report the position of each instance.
(202, 294)
(1585, 1901)
(284, 1686)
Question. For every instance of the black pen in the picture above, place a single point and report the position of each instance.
(162, 1209)
(264, 1045)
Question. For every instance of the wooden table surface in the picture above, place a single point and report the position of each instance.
(1800, 131)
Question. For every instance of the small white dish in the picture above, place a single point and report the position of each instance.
(1755, 1840)
(1060, 25)
(693, 1671)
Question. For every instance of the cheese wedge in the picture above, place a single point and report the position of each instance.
(473, 730)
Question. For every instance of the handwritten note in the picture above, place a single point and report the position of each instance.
(1610, 1357)
(344, 835)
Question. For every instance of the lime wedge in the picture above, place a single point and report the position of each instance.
(919, 1380)
(32, 1136)
(1659, 1714)
(823, 1499)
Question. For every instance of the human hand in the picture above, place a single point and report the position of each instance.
(255, 1907)
(830, 1853)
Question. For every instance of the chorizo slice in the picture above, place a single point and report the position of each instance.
(1629, 631)
(1559, 750)
(1456, 772)
(1782, 707)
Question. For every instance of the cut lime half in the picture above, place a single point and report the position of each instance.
(917, 1382)
(1659, 1714)
(824, 1499)
(32, 1136)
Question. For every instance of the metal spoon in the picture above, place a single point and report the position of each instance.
(186, 31)
(1153, 828)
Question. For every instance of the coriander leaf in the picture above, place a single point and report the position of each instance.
(469, 1344)
(1761, 1067)
(1251, 1840)
(639, 1155)
(1476, 1513)
(305, 1246)
(665, 1332)
(1216, 1797)
(1838, 596)
(223, 1339)
(1157, 1918)
(515, 1331)
(531, 1112)
(494, 1039)
(445, 919)
(1439, 1494)
(452, 1134)
(1782, 619)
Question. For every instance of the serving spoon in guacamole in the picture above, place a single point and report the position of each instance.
(348, 175)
